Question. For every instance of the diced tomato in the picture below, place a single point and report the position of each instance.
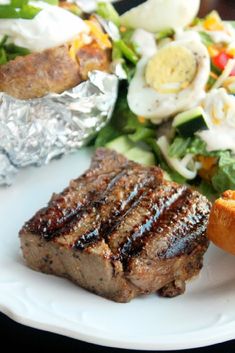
(221, 60)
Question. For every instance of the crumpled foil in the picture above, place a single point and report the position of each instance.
(32, 132)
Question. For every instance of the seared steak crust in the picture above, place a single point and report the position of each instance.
(120, 230)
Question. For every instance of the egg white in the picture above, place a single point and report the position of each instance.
(156, 15)
(147, 102)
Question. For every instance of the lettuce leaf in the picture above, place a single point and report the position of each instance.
(179, 146)
(124, 122)
(207, 190)
(224, 178)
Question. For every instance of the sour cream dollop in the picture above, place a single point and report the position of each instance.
(51, 27)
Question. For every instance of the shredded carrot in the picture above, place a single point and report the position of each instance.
(208, 168)
(123, 29)
(141, 119)
(213, 75)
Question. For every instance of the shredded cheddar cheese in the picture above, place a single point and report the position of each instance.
(100, 37)
(75, 45)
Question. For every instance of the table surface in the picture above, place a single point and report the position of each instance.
(13, 334)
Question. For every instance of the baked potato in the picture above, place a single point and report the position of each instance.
(53, 70)
(35, 72)
(221, 226)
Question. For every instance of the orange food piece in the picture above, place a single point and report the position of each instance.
(208, 167)
(221, 226)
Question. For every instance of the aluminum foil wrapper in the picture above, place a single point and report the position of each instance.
(32, 132)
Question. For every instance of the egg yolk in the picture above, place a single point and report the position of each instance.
(171, 69)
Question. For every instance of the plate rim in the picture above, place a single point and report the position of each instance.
(198, 342)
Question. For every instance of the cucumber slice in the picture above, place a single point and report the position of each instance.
(121, 144)
(141, 156)
(187, 123)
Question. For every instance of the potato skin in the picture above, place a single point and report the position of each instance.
(221, 226)
(52, 70)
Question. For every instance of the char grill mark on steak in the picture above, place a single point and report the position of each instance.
(175, 232)
(187, 226)
(160, 208)
(63, 207)
(141, 217)
(117, 201)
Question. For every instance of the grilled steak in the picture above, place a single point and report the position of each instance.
(120, 230)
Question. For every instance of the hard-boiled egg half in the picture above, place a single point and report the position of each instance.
(157, 15)
(170, 81)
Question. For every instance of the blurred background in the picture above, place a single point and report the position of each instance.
(226, 8)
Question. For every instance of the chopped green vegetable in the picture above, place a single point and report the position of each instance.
(176, 177)
(197, 147)
(126, 51)
(215, 69)
(197, 21)
(7, 11)
(10, 51)
(224, 178)
(19, 9)
(28, 12)
(141, 134)
(15, 49)
(130, 70)
(191, 121)
(18, 3)
(178, 147)
(52, 2)
(105, 135)
(116, 52)
(108, 12)
(3, 56)
(206, 38)
(210, 83)
(152, 143)
(168, 32)
(3, 41)
(127, 36)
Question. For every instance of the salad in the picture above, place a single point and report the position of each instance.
(176, 104)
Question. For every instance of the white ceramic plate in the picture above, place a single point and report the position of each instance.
(203, 316)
